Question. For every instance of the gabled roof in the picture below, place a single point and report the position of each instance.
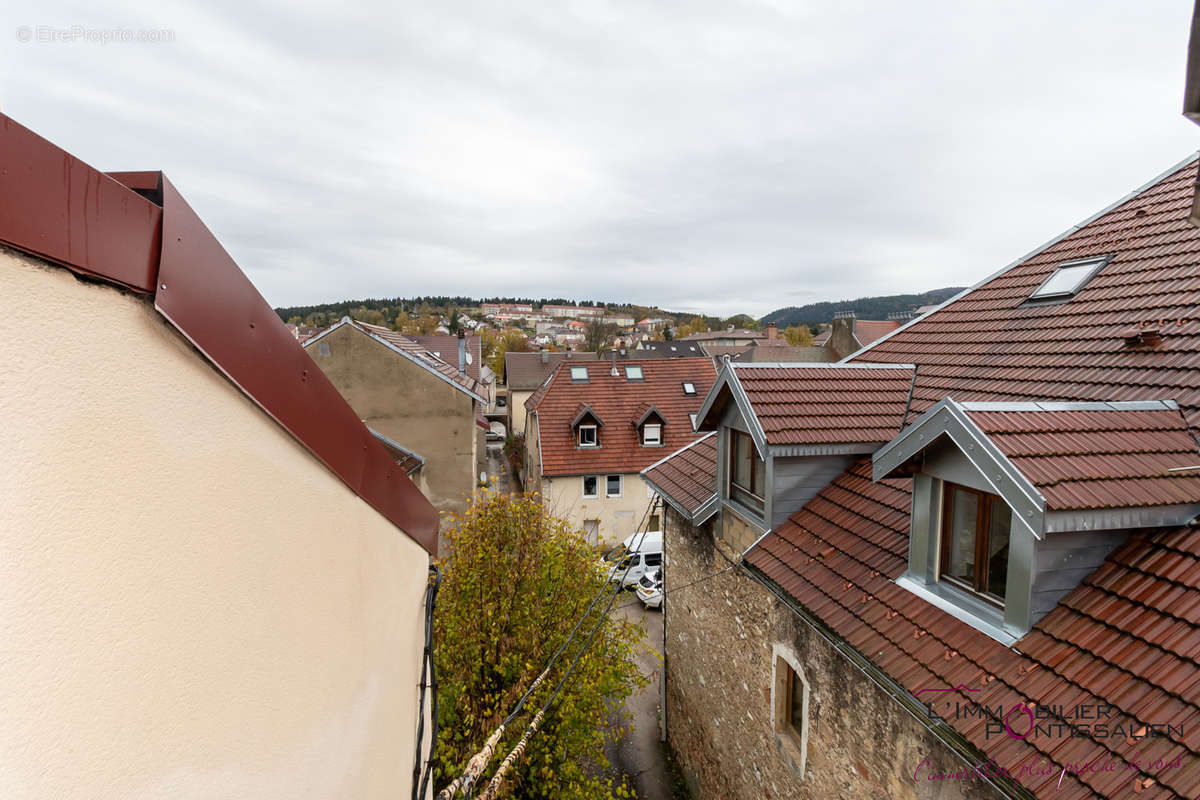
(618, 401)
(1128, 635)
(803, 409)
(135, 229)
(687, 479)
(406, 459)
(1055, 457)
(584, 411)
(867, 331)
(782, 353)
(647, 410)
(527, 371)
(403, 346)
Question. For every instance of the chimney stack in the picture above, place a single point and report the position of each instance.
(546, 356)
(772, 332)
(462, 353)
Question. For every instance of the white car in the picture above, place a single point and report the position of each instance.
(650, 589)
(638, 554)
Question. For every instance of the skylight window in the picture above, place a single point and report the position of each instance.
(579, 374)
(1066, 281)
(689, 387)
(633, 374)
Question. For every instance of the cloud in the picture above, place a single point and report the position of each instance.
(718, 157)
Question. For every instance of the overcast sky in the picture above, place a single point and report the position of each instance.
(713, 156)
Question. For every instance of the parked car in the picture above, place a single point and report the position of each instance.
(650, 589)
(639, 553)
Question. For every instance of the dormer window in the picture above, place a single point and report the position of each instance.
(747, 472)
(1066, 281)
(651, 435)
(588, 436)
(974, 541)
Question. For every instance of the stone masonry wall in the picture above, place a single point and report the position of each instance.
(721, 639)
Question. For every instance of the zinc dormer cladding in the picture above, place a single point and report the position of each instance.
(1125, 634)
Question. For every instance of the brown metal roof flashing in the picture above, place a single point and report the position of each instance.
(134, 229)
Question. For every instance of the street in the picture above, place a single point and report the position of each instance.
(640, 756)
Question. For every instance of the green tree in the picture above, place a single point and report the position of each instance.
(517, 581)
(798, 335)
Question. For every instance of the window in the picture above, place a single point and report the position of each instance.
(975, 534)
(579, 374)
(591, 529)
(651, 434)
(655, 523)
(501, 401)
(653, 560)
(587, 436)
(747, 472)
(613, 488)
(591, 486)
(689, 387)
(789, 707)
(633, 374)
(1068, 279)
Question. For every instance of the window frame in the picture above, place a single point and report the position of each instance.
(689, 391)
(646, 426)
(1093, 264)
(595, 429)
(595, 495)
(756, 502)
(574, 376)
(641, 373)
(785, 673)
(983, 515)
(620, 485)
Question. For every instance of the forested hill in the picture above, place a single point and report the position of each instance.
(863, 307)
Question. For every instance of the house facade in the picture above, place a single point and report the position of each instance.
(965, 563)
(208, 560)
(405, 392)
(593, 426)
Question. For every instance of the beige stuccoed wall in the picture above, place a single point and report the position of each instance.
(191, 605)
(618, 516)
(516, 404)
(410, 405)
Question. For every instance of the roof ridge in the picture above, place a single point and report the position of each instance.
(1032, 253)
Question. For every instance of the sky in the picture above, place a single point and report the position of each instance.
(718, 157)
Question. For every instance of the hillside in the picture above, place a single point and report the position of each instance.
(863, 307)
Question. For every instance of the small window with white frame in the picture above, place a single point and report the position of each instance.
(588, 436)
(633, 373)
(579, 375)
(652, 434)
(591, 486)
(612, 486)
(689, 387)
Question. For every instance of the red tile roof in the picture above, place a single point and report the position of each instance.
(688, 477)
(1128, 637)
(1096, 455)
(446, 348)
(991, 345)
(819, 404)
(617, 401)
(867, 331)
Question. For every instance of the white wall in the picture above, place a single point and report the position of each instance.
(191, 605)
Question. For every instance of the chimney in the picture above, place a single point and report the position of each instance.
(614, 372)
(462, 354)
(729, 328)
(772, 332)
(546, 356)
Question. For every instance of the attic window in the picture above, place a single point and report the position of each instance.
(587, 436)
(1066, 281)
(633, 374)
(689, 387)
(975, 535)
(579, 374)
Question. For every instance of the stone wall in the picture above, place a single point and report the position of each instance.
(723, 636)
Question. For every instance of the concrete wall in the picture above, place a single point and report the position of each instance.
(192, 605)
(411, 406)
(722, 637)
(618, 516)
